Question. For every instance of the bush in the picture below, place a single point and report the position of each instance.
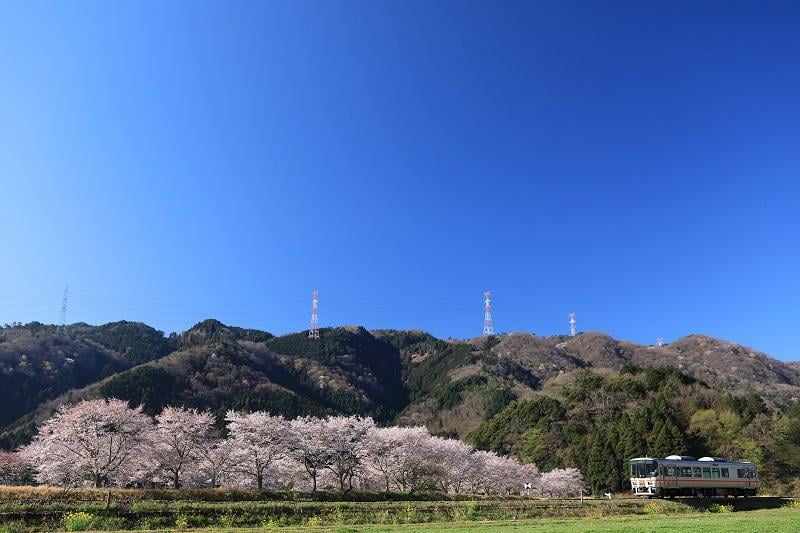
(653, 508)
(80, 521)
(181, 522)
(720, 508)
(12, 527)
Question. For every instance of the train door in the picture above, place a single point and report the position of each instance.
(672, 477)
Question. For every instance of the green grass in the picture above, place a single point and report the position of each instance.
(772, 520)
(443, 515)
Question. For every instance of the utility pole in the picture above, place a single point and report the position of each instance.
(488, 329)
(313, 331)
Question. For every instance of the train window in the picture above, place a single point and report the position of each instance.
(715, 472)
(686, 471)
(725, 472)
(644, 469)
(697, 472)
(706, 472)
(671, 471)
(740, 473)
(751, 473)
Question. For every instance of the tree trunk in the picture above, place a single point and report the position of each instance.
(260, 481)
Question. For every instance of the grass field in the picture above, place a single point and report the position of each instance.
(45, 509)
(778, 520)
(773, 520)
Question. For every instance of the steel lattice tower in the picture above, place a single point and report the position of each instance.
(660, 342)
(488, 329)
(64, 308)
(313, 332)
(572, 324)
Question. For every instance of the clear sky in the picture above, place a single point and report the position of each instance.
(634, 162)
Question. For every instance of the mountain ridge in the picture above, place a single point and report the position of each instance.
(405, 376)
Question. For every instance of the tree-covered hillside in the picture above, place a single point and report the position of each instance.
(39, 362)
(587, 401)
(596, 421)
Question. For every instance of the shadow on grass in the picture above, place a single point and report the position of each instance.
(738, 504)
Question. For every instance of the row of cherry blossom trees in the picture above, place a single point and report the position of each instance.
(104, 442)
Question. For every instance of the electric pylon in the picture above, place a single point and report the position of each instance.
(313, 331)
(488, 329)
(64, 308)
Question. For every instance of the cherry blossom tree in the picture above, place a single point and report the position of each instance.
(382, 446)
(562, 482)
(13, 467)
(455, 459)
(93, 441)
(410, 458)
(346, 441)
(175, 443)
(260, 440)
(103, 442)
(217, 460)
(530, 477)
(309, 447)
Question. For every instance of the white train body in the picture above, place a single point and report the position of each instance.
(686, 476)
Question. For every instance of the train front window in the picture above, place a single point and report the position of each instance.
(644, 469)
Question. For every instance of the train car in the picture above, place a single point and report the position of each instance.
(681, 475)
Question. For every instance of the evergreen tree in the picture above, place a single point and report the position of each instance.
(669, 440)
(602, 471)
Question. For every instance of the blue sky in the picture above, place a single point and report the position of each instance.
(634, 162)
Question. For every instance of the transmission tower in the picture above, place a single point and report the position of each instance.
(572, 324)
(488, 329)
(313, 332)
(64, 308)
(660, 342)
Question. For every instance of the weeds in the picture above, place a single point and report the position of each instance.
(79, 521)
(720, 508)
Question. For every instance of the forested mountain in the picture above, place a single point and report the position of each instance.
(587, 401)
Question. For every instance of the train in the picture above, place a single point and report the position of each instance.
(682, 475)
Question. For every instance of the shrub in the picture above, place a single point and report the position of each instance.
(720, 508)
(269, 524)
(80, 521)
(12, 527)
(181, 522)
(227, 520)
